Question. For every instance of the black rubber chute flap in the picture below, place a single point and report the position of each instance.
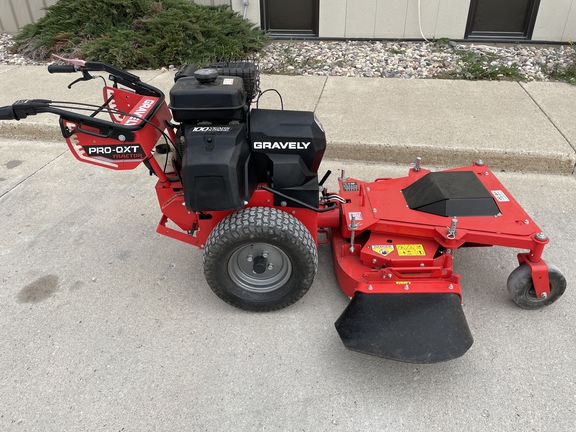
(414, 328)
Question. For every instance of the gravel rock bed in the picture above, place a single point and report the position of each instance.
(408, 60)
(13, 59)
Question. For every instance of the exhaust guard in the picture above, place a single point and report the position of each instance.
(414, 328)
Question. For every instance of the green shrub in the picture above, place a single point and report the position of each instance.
(139, 33)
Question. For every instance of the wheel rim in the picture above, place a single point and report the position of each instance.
(245, 267)
(530, 294)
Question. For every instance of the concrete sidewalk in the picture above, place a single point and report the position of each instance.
(511, 126)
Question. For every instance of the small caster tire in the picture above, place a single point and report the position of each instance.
(260, 259)
(521, 287)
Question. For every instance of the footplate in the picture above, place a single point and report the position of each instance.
(414, 328)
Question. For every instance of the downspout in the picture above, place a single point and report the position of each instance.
(245, 3)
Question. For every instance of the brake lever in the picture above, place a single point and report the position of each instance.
(85, 77)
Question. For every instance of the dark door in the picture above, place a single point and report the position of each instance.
(501, 19)
(290, 17)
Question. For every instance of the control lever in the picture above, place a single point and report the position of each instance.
(325, 178)
(85, 77)
(321, 183)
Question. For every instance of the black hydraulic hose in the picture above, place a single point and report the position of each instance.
(7, 113)
(303, 204)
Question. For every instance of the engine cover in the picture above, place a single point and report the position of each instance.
(288, 132)
(288, 147)
(217, 168)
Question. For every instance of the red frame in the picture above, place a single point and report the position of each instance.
(84, 138)
(194, 229)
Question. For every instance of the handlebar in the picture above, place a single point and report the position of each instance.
(62, 68)
(118, 76)
(89, 124)
(23, 108)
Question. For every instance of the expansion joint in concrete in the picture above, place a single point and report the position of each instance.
(32, 174)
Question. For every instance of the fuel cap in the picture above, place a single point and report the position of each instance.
(206, 76)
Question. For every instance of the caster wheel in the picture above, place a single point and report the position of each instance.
(260, 259)
(521, 287)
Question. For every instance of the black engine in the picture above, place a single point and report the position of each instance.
(226, 149)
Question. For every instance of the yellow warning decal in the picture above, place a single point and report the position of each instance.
(402, 282)
(410, 250)
(383, 249)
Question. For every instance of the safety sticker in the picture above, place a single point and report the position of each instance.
(383, 249)
(500, 196)
(402, 282)
(228, 81)
(350, 186)
(410, 250)
(357, 215)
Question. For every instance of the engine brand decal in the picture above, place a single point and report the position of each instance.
(410, 250)
(140, 112)
(115, 152)
(228, 81)
(357, 216)
(500, 196)
(279, 145)
(383, 249)
(211, 129)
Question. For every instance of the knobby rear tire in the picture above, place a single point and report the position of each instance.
(260, 259)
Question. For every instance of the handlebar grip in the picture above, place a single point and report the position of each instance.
(7, 113)
(62, 68)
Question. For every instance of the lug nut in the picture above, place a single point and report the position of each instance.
(270, 266)
(249, 258)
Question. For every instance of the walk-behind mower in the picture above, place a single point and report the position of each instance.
(242, 184)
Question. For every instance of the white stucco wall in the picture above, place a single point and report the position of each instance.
(551, 22)
(332, 19)
(391, 19)
(452, 18)
(252, 11)
(570, 29)
(382, 19)
(15, 14)
(428, 16)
